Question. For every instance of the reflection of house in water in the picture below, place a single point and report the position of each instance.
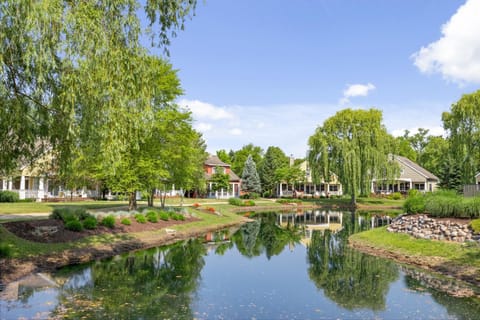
(312, 220)
(24, 288)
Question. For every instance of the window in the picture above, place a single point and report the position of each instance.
(333, 188)
(419, 186)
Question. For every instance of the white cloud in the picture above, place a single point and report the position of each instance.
(203, 127)
(432, 130)
(456, 55)
(356, 90)
(235, 132)
(202, 110)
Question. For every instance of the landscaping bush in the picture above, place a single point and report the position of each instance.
(5, 251)
(415, 203)
(126, 221)
(395, 196)
(140, 218)
(152, 216)
(249, 203)
(74, 225)
(450, 204)
(68, 214)
(108, 221)
(8, 196)
(235, 202)
(178, 217)
(90, 223)
(250, 195)
(163, 215)
(475, 224)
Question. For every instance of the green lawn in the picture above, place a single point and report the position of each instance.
(457, 253)
(34, 207)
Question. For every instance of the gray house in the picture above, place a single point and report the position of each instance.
(412, 176)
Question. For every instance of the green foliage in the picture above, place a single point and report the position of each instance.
(140, 218)
(274, 159)
(8, 196)
(463, 124)
(475, 225)
(450, 204)
(249, 203)
(451, 175)
(90, 223)
(415, 203)
(74, 225)
(126, 221)
(250, 178)
(250, 195)
(355, 145)
(395, 196)
(67, 214)
(223, 155)
(152, 216)
(5, 250)
(240, 156)
(163, 215)
(59, 81)
(287, 201)
(220, 180)
(235, 202)
(108, 221)
(178, 217)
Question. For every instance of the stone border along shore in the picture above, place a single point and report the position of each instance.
(423, 227)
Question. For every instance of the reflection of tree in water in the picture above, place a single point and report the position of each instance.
(348, 277)
(156, 283)
(264, 236)
(458, 308)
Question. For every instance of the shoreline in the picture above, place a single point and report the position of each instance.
(13, 269)
(434, 264)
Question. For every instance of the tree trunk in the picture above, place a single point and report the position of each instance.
(163, 197)
(132, 201)
(354, 200)
(150, 198)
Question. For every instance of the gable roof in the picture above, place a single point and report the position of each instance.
(232, 176)
(422, 171)
(215, 161)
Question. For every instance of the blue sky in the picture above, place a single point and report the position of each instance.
(268, 72)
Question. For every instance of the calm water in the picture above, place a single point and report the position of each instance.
(273, 268)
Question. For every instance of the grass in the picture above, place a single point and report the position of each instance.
(34, 207)
(456, 253)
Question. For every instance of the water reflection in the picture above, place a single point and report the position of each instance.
(148, 284)
(280, 265)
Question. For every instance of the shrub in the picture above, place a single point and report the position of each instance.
(108, 221)
(287, 201)
(152, 216)
(68, 214)
(140, 218)
(178, 216)
(196, 205)
(81, 213)
(475, 225)
(250, 195)
(126, 221)
(8, 196)
(74, 225)
(395, 196)
(235, 202)
(414, 204)
(249, 203)
(211, 210)
(90, 223)
(163, 215)
(5, 251)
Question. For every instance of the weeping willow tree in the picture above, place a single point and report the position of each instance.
(463, 126)
(75, 74)
(354, 145)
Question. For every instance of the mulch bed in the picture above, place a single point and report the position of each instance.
(26, 229)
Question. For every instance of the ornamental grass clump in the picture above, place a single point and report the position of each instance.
(5, 251)
(450, 204)
(178, 217)
(235, 201)
(152, 216)
(126, 221)
(140, 218)
(74, 225)
(90, 223)
(163, 215)
(108, 221)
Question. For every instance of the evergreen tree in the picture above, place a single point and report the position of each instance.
(451, 175)
(250, 178)
(274, 159)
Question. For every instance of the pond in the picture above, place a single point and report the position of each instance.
(280, 266)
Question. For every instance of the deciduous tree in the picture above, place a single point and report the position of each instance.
(354, 145)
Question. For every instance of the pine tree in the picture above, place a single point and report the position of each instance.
(250, 178)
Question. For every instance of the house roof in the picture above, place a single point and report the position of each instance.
(231, 174)
(215, 161)
(427, 174)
